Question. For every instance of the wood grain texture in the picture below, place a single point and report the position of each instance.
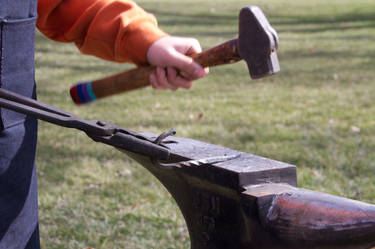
(138, 78)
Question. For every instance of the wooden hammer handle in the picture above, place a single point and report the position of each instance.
(224, 53)
(85, 92)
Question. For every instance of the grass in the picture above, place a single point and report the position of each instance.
(317, 113)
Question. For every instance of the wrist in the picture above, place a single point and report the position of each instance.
(142, 39)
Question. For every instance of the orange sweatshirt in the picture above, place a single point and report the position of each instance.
(115, 30)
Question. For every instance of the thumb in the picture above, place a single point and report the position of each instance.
(187, 66)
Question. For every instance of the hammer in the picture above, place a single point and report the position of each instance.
(257, 43)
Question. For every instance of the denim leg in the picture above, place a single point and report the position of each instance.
(18, 185)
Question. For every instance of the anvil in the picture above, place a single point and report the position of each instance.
(244, 201)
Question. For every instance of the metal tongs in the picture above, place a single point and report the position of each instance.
(97, 130)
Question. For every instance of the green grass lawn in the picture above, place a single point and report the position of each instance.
(317, 113)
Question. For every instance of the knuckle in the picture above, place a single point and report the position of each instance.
(189, 85)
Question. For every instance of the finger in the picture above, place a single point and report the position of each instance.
(176, 80)
(154, 82)
(171, 74)
(188, 46)
(160, 79)
(206, 70)
(161, 76)
(194, 48)
(189, 77)
(184, 83)
(191, 69)
(171, 77)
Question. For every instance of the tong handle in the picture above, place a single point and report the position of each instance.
(99, 131)
(17, 98)
(31, 107)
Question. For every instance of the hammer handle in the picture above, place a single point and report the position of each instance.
(224, 53)
(85, 92)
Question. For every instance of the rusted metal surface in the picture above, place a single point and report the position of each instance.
(308, 219)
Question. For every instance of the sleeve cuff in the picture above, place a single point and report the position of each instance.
(135, 46)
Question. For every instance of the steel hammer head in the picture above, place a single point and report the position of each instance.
(257, 42)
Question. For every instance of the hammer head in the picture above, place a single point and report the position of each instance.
(257, 43)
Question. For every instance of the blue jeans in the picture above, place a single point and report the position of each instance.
(18, 187)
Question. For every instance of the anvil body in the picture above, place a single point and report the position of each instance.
(227, 204)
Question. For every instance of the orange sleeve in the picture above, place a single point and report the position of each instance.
(115, 30)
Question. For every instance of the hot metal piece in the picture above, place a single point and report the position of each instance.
(194, 163)
(164, 135)
(209, 160)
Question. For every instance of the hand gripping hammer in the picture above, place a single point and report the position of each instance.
(256, 44)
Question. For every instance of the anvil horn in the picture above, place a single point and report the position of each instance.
(309, 218)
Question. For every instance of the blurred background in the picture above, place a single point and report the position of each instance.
(317, 113)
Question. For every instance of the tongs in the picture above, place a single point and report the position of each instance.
(97, 130)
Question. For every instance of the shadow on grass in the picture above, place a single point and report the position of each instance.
(64, 157)
(142, 221)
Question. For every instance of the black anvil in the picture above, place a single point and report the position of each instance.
(231, 199)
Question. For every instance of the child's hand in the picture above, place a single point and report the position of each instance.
(174, 68)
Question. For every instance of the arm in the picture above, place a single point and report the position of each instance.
(121, 31)
(115, 30)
